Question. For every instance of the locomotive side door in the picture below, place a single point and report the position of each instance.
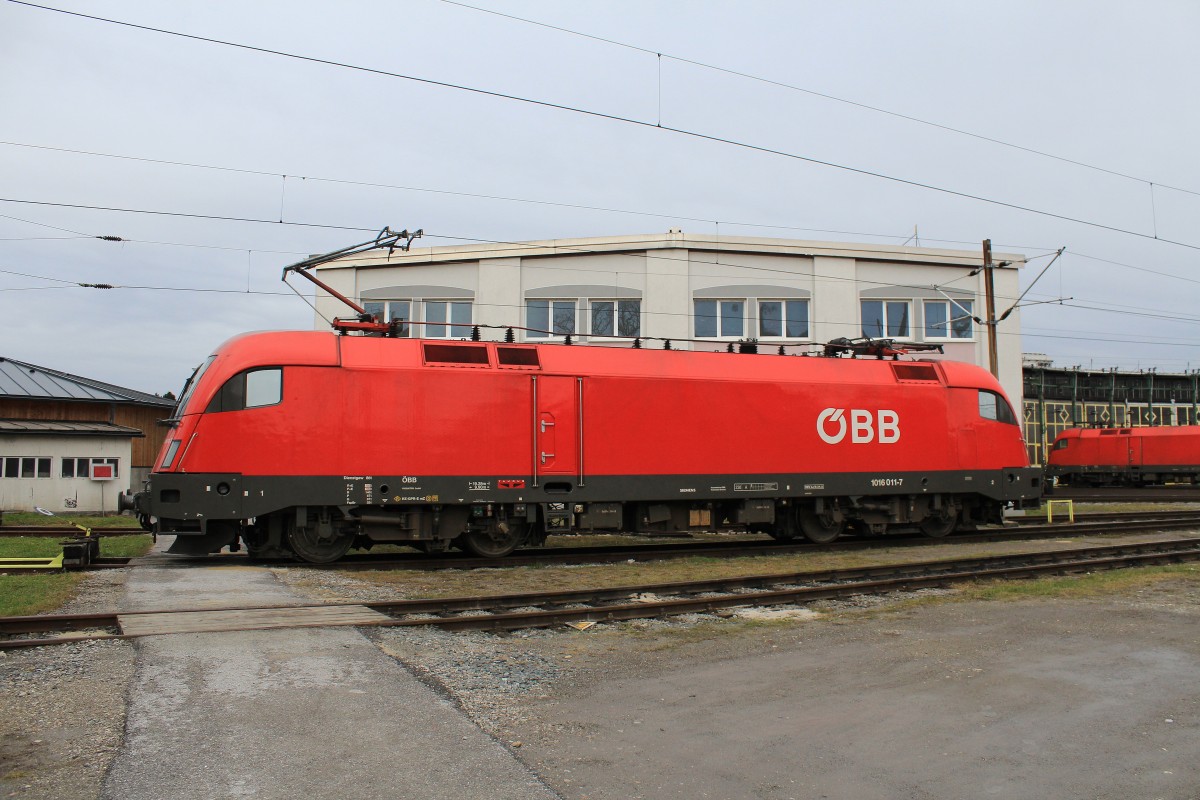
(1135, 450)
(557, 427)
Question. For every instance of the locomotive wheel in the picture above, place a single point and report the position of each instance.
(939, 526)
(819, 528)
(492, 542)
(309, 546)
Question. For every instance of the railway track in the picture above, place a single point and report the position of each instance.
(1122, 494)
(545, 609)
(1085, 524)
(63, 530)
(607, 554)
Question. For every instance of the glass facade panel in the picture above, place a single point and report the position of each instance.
(629, 317)
(537, 319)
(949, 320)
(705, 316)
(885, 318)
(778, 318)
(733, 313)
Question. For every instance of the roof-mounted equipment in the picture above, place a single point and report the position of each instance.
(362, 321)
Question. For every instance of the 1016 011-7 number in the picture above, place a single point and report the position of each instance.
(878, 482)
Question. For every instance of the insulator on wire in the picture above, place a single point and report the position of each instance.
(567, 339)
(637, 343)
(666, 344)
(781, 350)
(729, 347)
(508, 335)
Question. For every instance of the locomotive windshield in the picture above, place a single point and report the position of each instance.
(185, 394)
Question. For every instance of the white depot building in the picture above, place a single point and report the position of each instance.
(698, 291)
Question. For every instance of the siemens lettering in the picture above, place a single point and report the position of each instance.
(863, 426)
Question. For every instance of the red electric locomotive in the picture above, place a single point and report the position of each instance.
(310, 443)
(1125, 456)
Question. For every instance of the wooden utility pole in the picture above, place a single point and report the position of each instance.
(989, 289)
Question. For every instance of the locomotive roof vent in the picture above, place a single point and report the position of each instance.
(914, 372)
(517, 357)
(472, 354)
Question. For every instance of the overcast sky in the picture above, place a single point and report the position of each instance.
(1109, 85)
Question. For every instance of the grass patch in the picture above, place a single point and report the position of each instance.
(86, 520)
(125, 546)
(1107, 508)
(43, 546)
(1096, 584)
(21, 595)
(24, 594)
(418, 584)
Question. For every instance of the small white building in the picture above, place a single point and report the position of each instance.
(64, 466)
(72, 444)
(698, 291)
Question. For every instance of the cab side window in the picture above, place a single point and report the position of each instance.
(250, 389)
(993, 406)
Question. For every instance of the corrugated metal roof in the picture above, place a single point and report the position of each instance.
(58, 428)
(19, 379)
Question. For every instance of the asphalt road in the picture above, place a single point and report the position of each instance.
(1063, 699)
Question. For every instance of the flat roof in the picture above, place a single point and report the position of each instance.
(601, 245)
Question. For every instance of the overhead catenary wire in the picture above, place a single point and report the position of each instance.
(489, 242)
(659, 55)
(486, 196)
(594, 114)
(556, 247)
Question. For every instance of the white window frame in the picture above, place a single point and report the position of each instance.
(783, 318)
(447, 325)
(390, 307)
(616, 302)
(907, 301)
(953, 311)
(551, 302)
(721, 332)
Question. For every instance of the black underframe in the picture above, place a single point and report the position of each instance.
(199, 498)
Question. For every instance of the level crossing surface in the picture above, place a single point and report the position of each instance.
(308, 712)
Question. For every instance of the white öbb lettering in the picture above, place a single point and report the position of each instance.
(882, 426)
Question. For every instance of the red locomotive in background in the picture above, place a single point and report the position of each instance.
(1125, 456)
(311, 443)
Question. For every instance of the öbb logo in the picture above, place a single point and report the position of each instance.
(864, 426)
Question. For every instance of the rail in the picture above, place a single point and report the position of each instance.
(604, 604)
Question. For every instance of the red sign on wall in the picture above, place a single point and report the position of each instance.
(103, 472)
